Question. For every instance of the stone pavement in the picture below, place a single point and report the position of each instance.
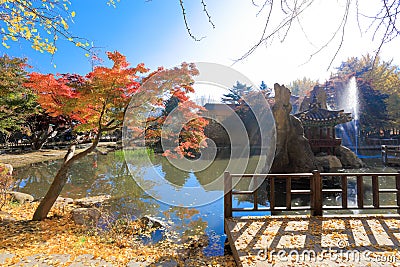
(337, 240)
(42, 260)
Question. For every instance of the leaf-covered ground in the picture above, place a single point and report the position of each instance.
(46, 240)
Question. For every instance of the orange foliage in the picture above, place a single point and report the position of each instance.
(96, 100)
(100, 100)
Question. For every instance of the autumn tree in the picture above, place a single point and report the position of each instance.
(302, 87)
(97, 100)
(382, 76)
(103, 101)
(178, 128)
(373, 109)
(186, 138)
(40, 22)
(393, 104)
(40, 127)
(17, 102)
(19, 109)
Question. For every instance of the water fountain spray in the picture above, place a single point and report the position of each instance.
(349, 103)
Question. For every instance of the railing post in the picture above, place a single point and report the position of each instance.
(272, 194)
(375, 191)
(255, 199)
(384, 154)
(227, 195)
(288, 193)
(344, 191)
(398, 191)
(316, 194)
(360, 192)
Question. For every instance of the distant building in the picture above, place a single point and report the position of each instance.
(218, 111)
(319, 124)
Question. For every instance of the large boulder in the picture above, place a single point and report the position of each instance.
(20, 197)
(328, 163)
(293, 152)
(348, 158)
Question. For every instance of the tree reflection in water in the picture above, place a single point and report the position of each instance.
(110, 175)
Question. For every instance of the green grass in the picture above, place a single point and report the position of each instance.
(135, 153)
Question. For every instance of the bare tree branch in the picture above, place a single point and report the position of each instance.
(208, 15)
(341, 27)
(283, 25)
(266, 2)
(262, 39)
(294, 10)
(186, 23)
(189, 31)
(346, 15)
(304, 32)
(383, 23)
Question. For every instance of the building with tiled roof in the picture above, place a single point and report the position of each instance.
(319, 123)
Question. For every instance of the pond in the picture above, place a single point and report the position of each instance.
(110, 175)
(193, 211)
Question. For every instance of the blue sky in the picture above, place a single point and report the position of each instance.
(153, 32)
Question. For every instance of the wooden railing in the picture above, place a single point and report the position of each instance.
(390, 155)
(315, 191)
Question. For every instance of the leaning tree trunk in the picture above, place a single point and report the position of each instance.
(59, 180)
(39, 140)
(54, 191)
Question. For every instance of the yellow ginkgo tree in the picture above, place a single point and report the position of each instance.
(40, 22)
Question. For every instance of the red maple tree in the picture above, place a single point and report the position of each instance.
(100, 100)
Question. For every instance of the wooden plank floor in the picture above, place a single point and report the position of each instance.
(315, 241)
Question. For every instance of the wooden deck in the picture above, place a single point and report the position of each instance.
(315, 241)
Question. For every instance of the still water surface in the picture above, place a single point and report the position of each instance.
(110, 175)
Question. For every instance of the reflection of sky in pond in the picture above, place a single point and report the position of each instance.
(109, 176)
(112, 177)
(191, 194)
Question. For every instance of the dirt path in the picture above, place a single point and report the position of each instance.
(25, 159)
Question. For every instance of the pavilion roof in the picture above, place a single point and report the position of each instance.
(317, 116)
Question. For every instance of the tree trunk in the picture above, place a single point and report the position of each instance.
(60, 179)
(52, 194)
(39, 140)
(37, 144)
